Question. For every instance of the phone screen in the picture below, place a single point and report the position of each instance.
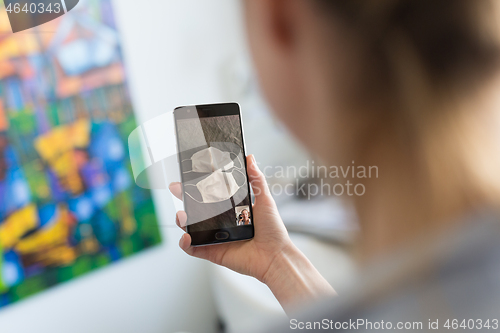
(213, 172)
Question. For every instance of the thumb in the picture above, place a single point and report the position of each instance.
(258, 182)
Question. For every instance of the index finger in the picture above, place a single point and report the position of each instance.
(176, 189)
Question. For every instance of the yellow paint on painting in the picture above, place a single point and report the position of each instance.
(56, 256)
(17, 225)
(79, 132)
(66, 168)
(49, 237)
(18, 45)
(52, 144)
(62, 139)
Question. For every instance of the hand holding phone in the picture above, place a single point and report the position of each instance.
(270, 256)
(253, 257)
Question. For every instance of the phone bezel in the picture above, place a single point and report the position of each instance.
(237, 233)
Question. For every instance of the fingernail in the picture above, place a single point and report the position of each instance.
(185, 244)
(181, 242)
(255, 162)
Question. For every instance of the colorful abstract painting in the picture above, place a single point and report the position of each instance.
(68, 202)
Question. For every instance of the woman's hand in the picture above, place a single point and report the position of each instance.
(252, 257)
(270, 256)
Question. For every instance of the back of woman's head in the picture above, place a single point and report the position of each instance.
(421, 67)
(455, 43)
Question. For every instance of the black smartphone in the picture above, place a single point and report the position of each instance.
(212, 159)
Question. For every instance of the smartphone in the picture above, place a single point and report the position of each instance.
(212, 159)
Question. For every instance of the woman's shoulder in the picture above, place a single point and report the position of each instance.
(455, 275)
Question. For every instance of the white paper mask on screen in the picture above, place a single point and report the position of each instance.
(210, 159)
(219, 186)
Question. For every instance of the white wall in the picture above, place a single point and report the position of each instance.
(173, 52)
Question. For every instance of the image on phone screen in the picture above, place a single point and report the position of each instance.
(213, 172)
